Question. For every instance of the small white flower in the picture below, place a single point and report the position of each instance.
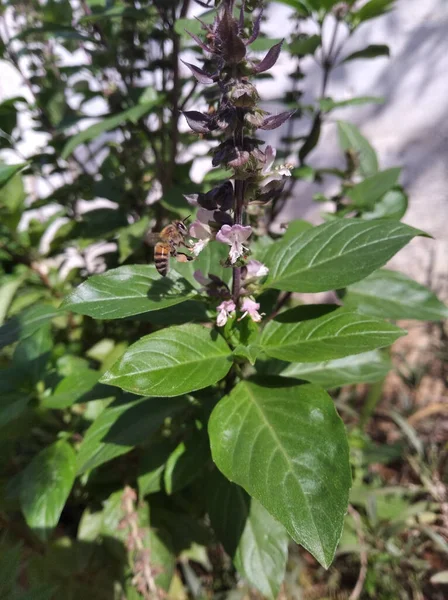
(224, 312)
(202, 232)
(271, 173)
(250, 307)
(256, 269)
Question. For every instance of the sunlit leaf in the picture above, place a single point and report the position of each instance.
(127, 291)
(172, 362)
(286, 446)
(335, 254)
(334, 335)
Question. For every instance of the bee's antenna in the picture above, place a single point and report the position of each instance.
(186, 219)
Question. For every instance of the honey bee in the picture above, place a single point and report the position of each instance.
(166, 244)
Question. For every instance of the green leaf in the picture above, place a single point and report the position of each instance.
(130, 238)
(193, 25)
(311, 139)
(371, 51)
(367, 367)
(90, 133)
(367, 192)
(256, 542)
(263, 44)
(12, 196)
(295, 228)
(26, 323)
(152, 465)
(8, 287)
(305, 45)
(334, 335)
(301, 6)
(287, 447)
(32, 355)
(335, 254)
(12, 406)
(328, 104)
(123, 425)
(350, 138)
(8, 171)
(392, 295)
(186, 462)
(374, 8)
(172, 362)
(209, 261)
(393, 205)
(71, 389)
(127, 291)
(45, 487)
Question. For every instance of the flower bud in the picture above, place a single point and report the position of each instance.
(244, 95)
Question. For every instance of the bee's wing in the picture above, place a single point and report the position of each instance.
(151, 238)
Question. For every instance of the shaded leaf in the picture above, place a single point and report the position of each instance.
(327, 104)
(373, 8)
(292, 456)
(71, 389)
(32, 355)
(127, 291)
(123, 425)
(305, 45)
(152, 465)
(8, 171)
(256, 542)
(12, 406)
(367, 192)
(45, 487)
(270, 59)
(372, 51)
(335, 254)
(393, 205)
(312, 138)
(199, 74)
(198, 122)
(274, 121)
(186, 462)
(172, 362)
(90, 133)
(351, 139)
(392, 295)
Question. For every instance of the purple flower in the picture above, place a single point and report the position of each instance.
(250, 307)
(256, 269)
(204, 215)
(224, 312)
(273, 174)
(202, 232)
(234, 236)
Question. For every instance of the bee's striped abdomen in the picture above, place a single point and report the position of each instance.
(161, 257)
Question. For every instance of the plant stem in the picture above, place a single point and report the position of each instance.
(239, 206)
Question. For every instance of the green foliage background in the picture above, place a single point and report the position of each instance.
(113, 386)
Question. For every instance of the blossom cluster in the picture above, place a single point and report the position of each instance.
(223, 212)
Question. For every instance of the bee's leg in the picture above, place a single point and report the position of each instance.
(185, 245)
(182, 257)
